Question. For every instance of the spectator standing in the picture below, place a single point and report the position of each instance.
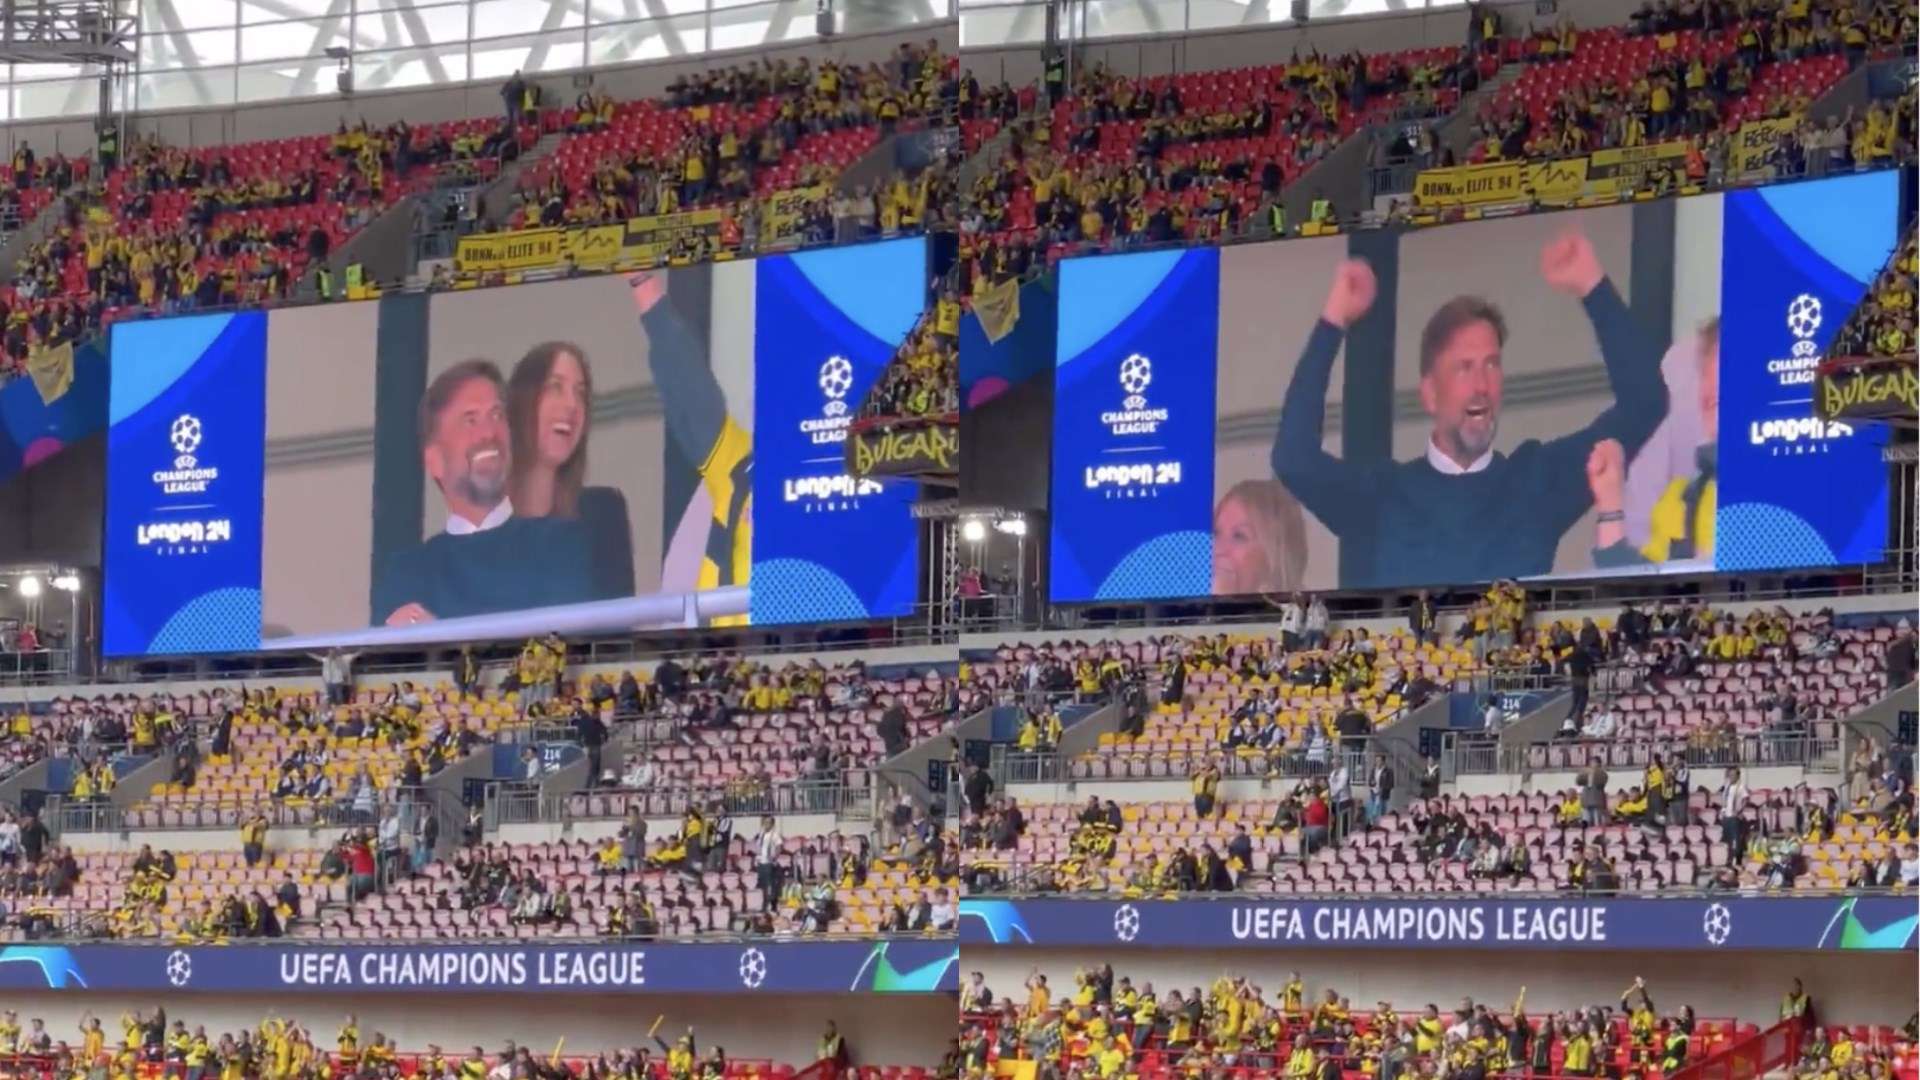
(1580, 678)
(1901, 660)
(336, 672)
(1733, 808)
(593, 737)
(1316, 626)
(1292, 615)
(1593, 794)
(511, 95)
(1422, 621)
(766, 864)
(1379, 789)
(1340, 789)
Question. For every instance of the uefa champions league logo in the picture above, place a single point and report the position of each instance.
(179, 964)
(836, 379)
(1136, 374)
(1126, 922)
(1717, 923)
(753, 968)
(185, 437)
(1803, 321)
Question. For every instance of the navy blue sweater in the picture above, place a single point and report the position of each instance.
(1405, 523)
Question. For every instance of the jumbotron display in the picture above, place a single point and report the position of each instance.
(586, 455)
(1610, 391)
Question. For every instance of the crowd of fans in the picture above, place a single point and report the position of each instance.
(284, 1048)
(168, 228)
(1197, 157)
(1107, 1026)
(1883, 324)
(724, 138)
(923, 378)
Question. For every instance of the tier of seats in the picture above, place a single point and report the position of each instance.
(718, 892)
(1292, 699)
(1721, 679)
(743, 131)
(776, 725)
(102, 899)
(1442, 845)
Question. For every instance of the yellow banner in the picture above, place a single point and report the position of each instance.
(998, 309)
(1859, 392)
(1461, 185)
(1558, 181)
(592, 246)
(1620, 171)
(651, 239)
(783, 214)
(51, 370)
(1753, 143)
(510, 250)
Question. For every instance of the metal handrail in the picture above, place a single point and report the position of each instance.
(309, 930)
(65, 814)
(1488, 756)
(515, 803)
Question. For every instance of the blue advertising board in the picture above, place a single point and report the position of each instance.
(828, 546)
(1637, 923)
(770, 967)
(1133, 426)
(1796, 490)
(186, 452)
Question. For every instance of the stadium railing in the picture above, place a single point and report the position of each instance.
(38, 666)
(520, 803)
(1755, 1055)
(66, 814)
(1467, 755)
(1034, 879)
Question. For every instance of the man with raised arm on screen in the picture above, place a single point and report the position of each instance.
(699, 424)
(1463, 511)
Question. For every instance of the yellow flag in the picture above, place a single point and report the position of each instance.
(52, 370)
(998, 308)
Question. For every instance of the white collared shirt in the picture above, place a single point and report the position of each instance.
(496, 517)
(1443, 464)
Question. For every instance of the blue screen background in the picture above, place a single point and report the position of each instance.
(1795, 260)
(1149, 538)
(185, 595)
(852, 553)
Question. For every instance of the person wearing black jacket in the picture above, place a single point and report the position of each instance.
(892, 729)
(978, 787)
(1173, 689)
(1379, 789)
(593, 736)
(1463, 511)
(1422, 620)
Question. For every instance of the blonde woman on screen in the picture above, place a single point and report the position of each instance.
(1681, 523)
(1259, 540)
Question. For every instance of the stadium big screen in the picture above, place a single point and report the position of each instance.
(1607, 391)
(595, 454)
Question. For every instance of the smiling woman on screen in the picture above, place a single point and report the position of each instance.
(550, 411)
